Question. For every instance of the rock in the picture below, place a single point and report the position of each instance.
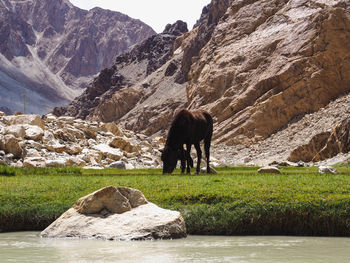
(123, 144)
(327, 169)
(16, 130)
(34, 133)
(111, 127)
(117, 214)
(34, 162)
(117, 165)
(30, 119)
(32, 153)
(74, 149)
(109, 152)
(50, 118)
(74, 161)
(255, 79)
(60, 162)
(269, 169)
(55, 146)
(212, 170)
(2, 114)
(10, 144)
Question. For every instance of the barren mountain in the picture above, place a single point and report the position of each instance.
(51, 50)
(273, 74)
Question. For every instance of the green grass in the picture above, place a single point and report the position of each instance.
(236, 201)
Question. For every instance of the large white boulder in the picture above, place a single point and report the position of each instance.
(117, 214)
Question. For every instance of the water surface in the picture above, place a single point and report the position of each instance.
(29, 247)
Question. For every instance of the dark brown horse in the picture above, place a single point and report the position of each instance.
(188, 127)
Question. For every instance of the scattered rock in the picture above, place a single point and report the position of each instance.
(118, 165)
(117, 214)
(269, 169)
(327, 170)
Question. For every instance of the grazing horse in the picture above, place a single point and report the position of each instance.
(188, 127)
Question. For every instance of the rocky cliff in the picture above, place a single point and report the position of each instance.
(272, 73)
(51, 50)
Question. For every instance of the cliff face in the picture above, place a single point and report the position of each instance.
(269, 62)
(53, 49)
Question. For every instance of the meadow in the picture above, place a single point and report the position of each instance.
(236, 201)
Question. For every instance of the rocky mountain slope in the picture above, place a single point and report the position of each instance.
(51, 50)
(141, 84)
(272, 73)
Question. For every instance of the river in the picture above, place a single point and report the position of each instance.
(29, 247)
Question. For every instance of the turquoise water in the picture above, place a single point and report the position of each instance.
(29, 247)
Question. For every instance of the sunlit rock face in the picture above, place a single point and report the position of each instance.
(52, 50)
(268, 62)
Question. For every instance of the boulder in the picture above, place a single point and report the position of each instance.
(123, 144)
(269, 170)
(2, 114)
(16, 130)
(10, 144)
(60, 162)
(113, 213)
(30, 119)
(117, 165)
(33, 132)
(74, 149)
(34, 162)
(327, 170)
(55, 146)
(109, 152)
(111, 127)
(75, 161)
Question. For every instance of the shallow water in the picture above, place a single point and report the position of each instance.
(29, 247)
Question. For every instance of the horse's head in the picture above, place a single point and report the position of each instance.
(169, 158)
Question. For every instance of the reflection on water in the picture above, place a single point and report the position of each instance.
(28, 247)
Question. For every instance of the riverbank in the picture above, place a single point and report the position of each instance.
(236, 201)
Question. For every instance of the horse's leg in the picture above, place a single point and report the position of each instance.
(183, 160)
(199, 157)
(188, 156)
(207, 151)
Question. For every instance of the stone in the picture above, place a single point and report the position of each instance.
(123, 144)
(118, 165)
(60, 162)
(269, 169)
(74, 149)
(109, 152)
(33, 132)
(30, 119)
(55, 146)
(16, 130)
(327, 170)
(75, 161)
(50, 118)
(115, 213)
(32, 153)
(212, 170)
(10, 144)
(34, 162)
(2, 114)
(111, 127)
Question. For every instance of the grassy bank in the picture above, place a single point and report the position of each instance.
(236, 201)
